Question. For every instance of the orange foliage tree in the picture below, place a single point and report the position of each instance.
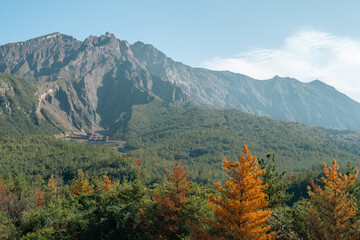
(81, 184)
(3, 194)
(332, 210)
(108, 184)
(171, 203)
(52, 190)
(39, 198)
(241, 211)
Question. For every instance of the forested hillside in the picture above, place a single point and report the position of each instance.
(56, 189)
(37, 157)
(19, 112)
(201, 137)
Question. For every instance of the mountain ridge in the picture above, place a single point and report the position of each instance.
(230, 96)
(130, 71)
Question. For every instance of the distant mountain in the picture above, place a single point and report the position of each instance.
(93, 84)
(88, 85)
(155, 104)
(314, 103)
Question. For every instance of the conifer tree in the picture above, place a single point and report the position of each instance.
(332, 209)
(276, 192)
(108, 185)
(171, 203)
(3, 194)
(134, 192)
(52, 190)
(240, 211)
(81, 184)
(39, 198)
(354, 190)
(20, 198)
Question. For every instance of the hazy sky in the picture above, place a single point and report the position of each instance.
(317, 39)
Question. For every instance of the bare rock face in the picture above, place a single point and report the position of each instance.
(313, 103)
(96, 82)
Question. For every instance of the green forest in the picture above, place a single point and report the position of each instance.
(201, 137)
(183, 173)
(65, 190)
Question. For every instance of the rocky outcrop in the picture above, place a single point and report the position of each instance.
(103, 77)
(89, 85)
(313, 103)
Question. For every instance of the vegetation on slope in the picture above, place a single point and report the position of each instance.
(201, 137)
(94, 207)
(18, 109)
(39, 157)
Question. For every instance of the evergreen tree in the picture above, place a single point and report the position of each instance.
(52, 190)
(332, 209)
(19, 198)
(276, 192)
(354, 190)
(81, 184)
(134, 192)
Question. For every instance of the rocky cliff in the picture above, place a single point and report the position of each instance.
(89, 85)
(93, 84)
(313, 103)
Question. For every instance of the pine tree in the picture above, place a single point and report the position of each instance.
(81, 184)
(332, 209)
(241, 211)
(19, 198)
(276, 192)
(51, 190)
(108, 184)
(3, 194)
(354, 190)
(171, 203)
(39, 198)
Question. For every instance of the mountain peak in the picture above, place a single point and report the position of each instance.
(317, 82)
(49, 36)
(320, 84)
(104, 62)
(111, 35)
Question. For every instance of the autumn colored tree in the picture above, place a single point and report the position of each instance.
(332, 209)
(19, 198)
(171, 204)
(52, 190)
(3, 194)
(81, 184)
(39, 198)
(240, 211)
(108, 184)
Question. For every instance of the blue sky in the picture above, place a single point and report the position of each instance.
(252, 37)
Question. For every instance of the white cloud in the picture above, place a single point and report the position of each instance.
(306, 55)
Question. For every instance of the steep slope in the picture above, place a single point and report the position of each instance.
(103, 77)
(41, 58)
(314, 103)
(19, 112)
(90, 85)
